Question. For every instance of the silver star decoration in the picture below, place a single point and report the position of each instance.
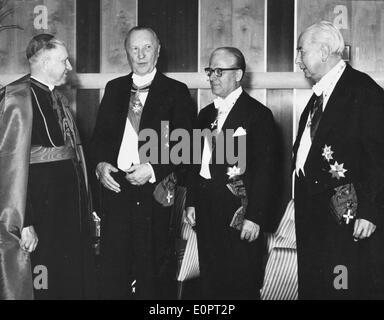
(232, 172)
(327, 153)
(337, 170)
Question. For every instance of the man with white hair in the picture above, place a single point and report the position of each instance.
(137, 241)
(43, 184)
(339, 174)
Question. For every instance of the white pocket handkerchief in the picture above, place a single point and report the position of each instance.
(240, 131)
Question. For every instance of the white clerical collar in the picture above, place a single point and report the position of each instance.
(226, 104)
(143, 80)
(329, 78)
(50, 87)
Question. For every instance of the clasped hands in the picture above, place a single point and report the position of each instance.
(249, 231)
(137, 174)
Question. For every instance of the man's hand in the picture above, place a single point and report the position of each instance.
(190, 216)
(139, 174)
(250, 231)
(363, 229)
(103, 173)
(29, 239)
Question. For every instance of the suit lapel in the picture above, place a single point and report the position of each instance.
(236, 114)
(154, 96)
(302, 124)
(332, 114)
(206, 123)
(123, 102)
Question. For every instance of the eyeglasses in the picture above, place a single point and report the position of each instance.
(217, 71)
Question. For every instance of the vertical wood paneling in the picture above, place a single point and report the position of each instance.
(238, 23)
(61, 23)
(88, 60)
(312, 11)
(176, 24)
(86, 113)
(281, 104)
(215, 27)
(248, 32)
(367, 28)
(280, 27)
(215, 31)
(117, 17)
(88, 36)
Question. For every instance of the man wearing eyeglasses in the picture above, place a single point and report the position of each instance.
(228, 201)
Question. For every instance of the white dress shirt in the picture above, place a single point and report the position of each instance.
(129, 149)
(324, 87)
(224, 106)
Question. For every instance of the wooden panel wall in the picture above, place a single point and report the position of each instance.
(238, 23)
(176, 24)
(87, 61)
(280, 31)
(35, 16)
(367, 35)
(117, 17)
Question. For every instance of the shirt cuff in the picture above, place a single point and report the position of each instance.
(153, 177)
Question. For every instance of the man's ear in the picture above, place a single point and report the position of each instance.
(325, 52)
(239, 75)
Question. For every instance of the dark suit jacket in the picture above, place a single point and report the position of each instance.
(258, 122)
(168, 100)
(352, 124)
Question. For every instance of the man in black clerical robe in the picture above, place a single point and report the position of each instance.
(43, 185)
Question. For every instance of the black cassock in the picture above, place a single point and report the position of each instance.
(56, 207)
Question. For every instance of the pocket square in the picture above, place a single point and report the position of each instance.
(240, 131)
